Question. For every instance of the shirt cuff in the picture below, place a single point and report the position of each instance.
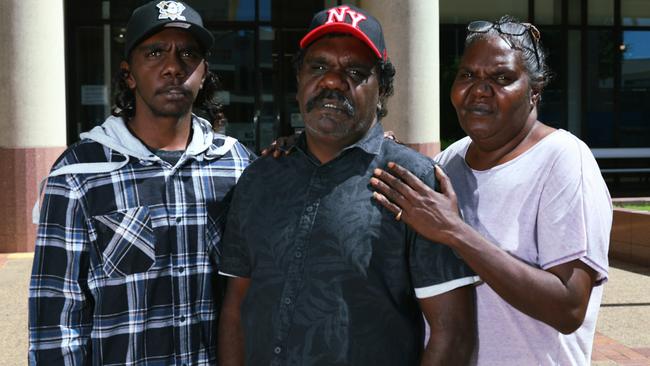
(430, 291)
(228, 274)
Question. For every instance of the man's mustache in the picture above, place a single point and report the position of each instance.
(346, 105)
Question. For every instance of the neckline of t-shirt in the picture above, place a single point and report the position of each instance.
(557, 132)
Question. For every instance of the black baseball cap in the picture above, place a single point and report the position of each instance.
(350, 20)
(152, 17)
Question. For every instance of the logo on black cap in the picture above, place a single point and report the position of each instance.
(156, 15)
(171, 10)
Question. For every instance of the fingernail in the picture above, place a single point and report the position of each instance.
(391, 164)
(377, 171)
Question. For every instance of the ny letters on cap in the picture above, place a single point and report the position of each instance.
(350, 20)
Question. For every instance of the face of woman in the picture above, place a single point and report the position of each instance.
(492, 94)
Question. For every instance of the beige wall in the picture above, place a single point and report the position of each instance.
(32, 97)
(411, 33)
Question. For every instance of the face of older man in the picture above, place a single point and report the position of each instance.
(492, 93)
(338, 89)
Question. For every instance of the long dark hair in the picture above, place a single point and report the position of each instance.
(124, 99)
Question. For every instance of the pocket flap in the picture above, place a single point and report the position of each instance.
(127, 241)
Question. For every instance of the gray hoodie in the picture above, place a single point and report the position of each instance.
(113, 135)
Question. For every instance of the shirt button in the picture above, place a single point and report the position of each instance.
(310, 209)
(287, 300)
(178, 219)
(181, 269)
(182, 319)
(298, 254)
(277, 350)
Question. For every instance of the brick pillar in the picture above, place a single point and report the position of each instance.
(32, 110)
(411, 30)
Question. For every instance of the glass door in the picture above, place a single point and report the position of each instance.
(233, 60)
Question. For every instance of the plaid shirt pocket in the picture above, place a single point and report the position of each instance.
(126, 241)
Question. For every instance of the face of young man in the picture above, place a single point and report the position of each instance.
(338, 89)
(492, 93)
(166, 72)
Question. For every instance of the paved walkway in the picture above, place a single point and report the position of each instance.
(624, 320)
(14, 282)
(623, 336)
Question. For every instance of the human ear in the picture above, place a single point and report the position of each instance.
(205, 73)
(535, 96)
(125, 70)
(297, 84)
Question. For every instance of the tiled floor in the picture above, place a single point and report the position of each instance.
(610, 352)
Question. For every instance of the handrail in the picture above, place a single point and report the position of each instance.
(621, 153)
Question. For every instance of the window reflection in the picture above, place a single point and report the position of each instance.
(600, 12)
(268, 120)
(233, 60)
(552, 106)
(600, 89)
(635, 12)
(232, 10)
(465, 11)
(634, 130)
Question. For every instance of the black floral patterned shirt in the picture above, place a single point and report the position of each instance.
(334, 276)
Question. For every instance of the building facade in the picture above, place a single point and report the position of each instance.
(60, 57)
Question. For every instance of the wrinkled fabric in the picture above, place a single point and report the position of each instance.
(334, 277)
(125, 260)
(546, 207)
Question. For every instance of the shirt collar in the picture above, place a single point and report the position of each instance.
(370, 143)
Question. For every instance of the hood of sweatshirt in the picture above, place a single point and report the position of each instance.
(114, 135)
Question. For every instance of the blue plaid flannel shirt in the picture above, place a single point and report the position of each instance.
(125, 261)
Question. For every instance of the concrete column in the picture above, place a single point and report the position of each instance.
(32, 110)
(411, 30)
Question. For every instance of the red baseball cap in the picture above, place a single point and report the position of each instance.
(350, 20)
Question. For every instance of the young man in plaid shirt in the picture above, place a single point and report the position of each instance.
(125, 261)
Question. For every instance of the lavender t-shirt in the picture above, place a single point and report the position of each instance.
(546, 207)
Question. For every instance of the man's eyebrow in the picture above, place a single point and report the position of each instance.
(316, 59)
(153, 45)
(350, 64)
(188, 45)
(361, 65)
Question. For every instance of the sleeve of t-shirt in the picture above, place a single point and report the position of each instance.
(435, 268)
(575, 214)
(234, 254)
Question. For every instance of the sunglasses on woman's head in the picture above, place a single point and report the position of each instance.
(508, 28)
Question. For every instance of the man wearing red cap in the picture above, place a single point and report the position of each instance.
(320, 273)
(125, 261)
